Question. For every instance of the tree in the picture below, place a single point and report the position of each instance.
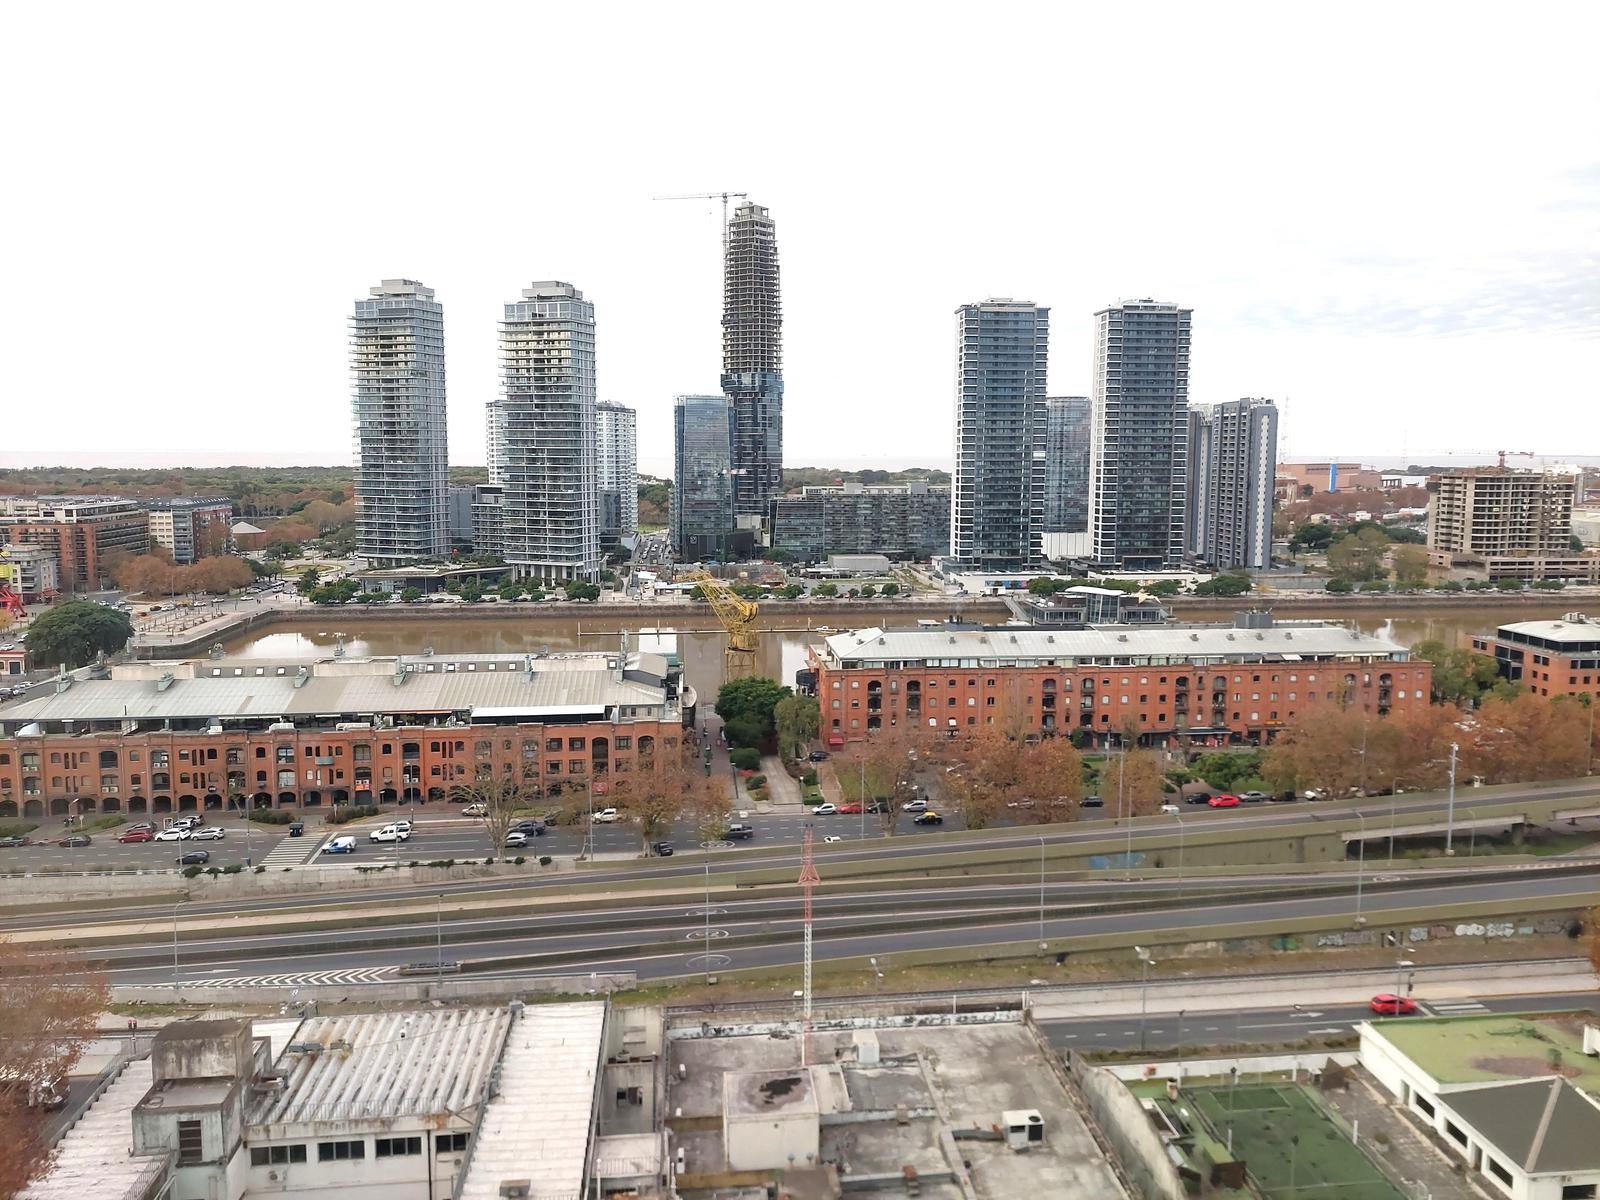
(1459, 676)
(1165, 587)
(310, 578)
(1357, 557)
(885, 762)
(411, 595)
(793, 591)
(471, 591)
(825, 591)
(1224, 585)
(891, 589)
(501, 797)
(75, 632)
(1227, 770)
(49, 1009)
(796, 720)
(1134, 778)
(578, 590)
(655, 799)
(1410, 564)
(1524, 738)
(1340, 587)
(1321, 749)
(510, 590)
(1051, 774)
(748, 709)
(868, 591)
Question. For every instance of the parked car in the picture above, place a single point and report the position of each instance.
(1224, 800)
(1391, 1005)
(664, 849)
(74, 840)
(194, 858)
(849, 809)
(913, 806)
(389, 833)
(1093, 802)
(1197, 798)
(605, 816)
(739, 833)
(297, 829)
(207, 833)
(516, 839)
(831, 838)
(1313, 794)
(818, 756)
(173, 833)
(825, 810)
(341, 845)
(1170, 810)
(188, 821)
(135, 835)
(1252, 797)
(475, 810)
(533, 828)
(928, 818)
(11, 842)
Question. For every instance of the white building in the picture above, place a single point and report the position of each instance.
(1233, 461)
(191, 527)
(616, 452)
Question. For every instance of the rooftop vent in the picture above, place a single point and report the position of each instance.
(302, 677)
(163, 683)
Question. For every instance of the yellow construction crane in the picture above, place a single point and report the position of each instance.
(738, 617)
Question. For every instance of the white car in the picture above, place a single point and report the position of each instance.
(516, 839)
(605, 816)
(832, 837)
(1170, 810)
(173, 833)
(475, 810)
(914, 806)
(404, 824)
(207, 833)
(389, 833)
(825, 810)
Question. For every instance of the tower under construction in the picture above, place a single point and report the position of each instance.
(752, 358)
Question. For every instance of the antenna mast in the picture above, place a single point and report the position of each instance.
(808, 882)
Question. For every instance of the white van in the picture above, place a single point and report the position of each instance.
(340, 845)
(391, 833)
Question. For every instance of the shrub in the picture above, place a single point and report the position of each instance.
(489, 862)
(271, 816)
(233, 868)
(259, 870)
(1339, 587)
(545, 860)
(756, 781)
(213, 871)
(808, 779)
(746, 758)
(16, 828)
(191, 872)
(519, 860)
(341, 814)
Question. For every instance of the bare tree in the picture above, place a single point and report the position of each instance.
(654, 800)
(501, 798)
(48, 1008)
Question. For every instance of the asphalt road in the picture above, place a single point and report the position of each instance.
(665, 943)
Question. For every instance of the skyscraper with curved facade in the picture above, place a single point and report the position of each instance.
(752, 358)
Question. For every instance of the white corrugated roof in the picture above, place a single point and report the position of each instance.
(1557, 631)
(1065, 646)
(376, 1065)
(95, 1161)
(537, 1127)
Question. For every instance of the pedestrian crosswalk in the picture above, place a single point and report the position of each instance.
(290, 852)
(1455, 1008)
(297, 979)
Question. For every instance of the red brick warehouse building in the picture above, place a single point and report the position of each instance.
(1550, 658)
(212, 733)
(87, 534)
(1207, 684)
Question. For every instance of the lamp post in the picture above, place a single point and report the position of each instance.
(1394, 792)
(862, 792)
(1179, 815)
(438, 934)
(175, 984)
(1144, 990)
(1450, 808)
(1361, 862)
(1400, 965)
(1041, 895)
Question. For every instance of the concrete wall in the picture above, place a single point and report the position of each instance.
(1123, 1123)
(382, 993)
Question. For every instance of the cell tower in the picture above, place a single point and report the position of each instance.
(808, 882)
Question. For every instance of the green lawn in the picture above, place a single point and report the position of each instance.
(1288, 1144)
(1495, 1047)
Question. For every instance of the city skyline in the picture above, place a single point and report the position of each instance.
(1369, 272)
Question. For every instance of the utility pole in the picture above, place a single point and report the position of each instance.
(1450, 809)
(808, 882)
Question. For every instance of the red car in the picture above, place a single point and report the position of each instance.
(849, 808)
(137, 835)
(1390, 1005)
(1225, 800)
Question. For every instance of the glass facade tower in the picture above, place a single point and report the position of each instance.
(702, 485)
(616, 471)
(1066, 464)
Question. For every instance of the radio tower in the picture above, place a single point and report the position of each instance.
(808, 882)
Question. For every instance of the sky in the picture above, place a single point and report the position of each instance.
(1383, 216)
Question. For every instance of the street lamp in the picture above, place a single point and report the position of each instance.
(1178, 812)
(1450, 810)
(1400, 965)
(1394, 792)
(438, 934)
(1041, 896)
(175, 985)
(1361, 862)
(1144, 990)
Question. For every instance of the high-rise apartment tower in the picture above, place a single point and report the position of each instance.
(702, 486)
(1233, 461)
(401, 447)
(1139, 456)
(545, 424)
(997, 496)
(616, 444)
(1066, 464)
(752, 358)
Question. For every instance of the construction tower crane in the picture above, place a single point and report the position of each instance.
(738, 617)
(724, 197)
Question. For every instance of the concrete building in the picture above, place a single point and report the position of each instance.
(702, 477)
(1069, 424)
(148, 737)
(1484, 1086)
(401, 444)
(1138, 474)
(997, 506)
(910, 520)
(459, 519)
(616, 444)
(1313, 478)
(191, 527)
(752, 359)
(1233, 456)
(1082, 606)
(1508, 523)
(84, 533)
(488, 519)
(31, 571)
(13, 660)
(1551, 658)
(1200, 684)
(546, 426)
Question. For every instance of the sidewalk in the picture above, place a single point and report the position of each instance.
(781, 786)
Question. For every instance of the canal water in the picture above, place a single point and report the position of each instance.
(782, 652)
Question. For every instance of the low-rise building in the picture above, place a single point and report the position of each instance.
(909, 520)
(1552, 658)
(13, 659)
(191, 527)
(1213, 683)
(84, 533)
(32, 572)
(178, 736)
(1083, 605)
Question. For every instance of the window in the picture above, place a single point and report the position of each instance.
(449, 1143)
(394, 1147)
(1499, 1172)
(1578, 1191)
(1423, 1104)
(276, 1156)
(189, 1142)
(340, 1151)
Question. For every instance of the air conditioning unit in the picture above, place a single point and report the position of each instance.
(515, 1189)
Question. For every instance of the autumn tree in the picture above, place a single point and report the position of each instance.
(1321, 749)
(1136, 779)
(1410, 565)
(49, 1008)
(885, 761)
(1051, 773)
(656, 798)
(1525, 738)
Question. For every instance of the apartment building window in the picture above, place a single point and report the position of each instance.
(235, 756)
(189, 1142)
(30, 762)
(361, 752)
(624, 742)
(286, 754)
(276, 1156)
(395, 1147)
(158, 758)
(449, 1143)
(552, 745)
(576, 743)
(340, 1151)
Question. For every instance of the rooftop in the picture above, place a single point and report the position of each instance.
(1495, 1048)
(1284, 641)
(380, 1065)
(1574, 627)
(537, 1126)
(1545, 1126)
(95, 1160)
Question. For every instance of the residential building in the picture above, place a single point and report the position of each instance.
(702, 483)
(616, 444)
(146, 738)
(31, 571)
(401, 445)
(1069, 423)
(191, 527)
(86, 534)
(459, 519)
(997, 505)
(1196, 684)
(752, 358)
(1138, 474)
(546, 426)
(1550, 658)
(1233, 455)
(907, 520)
(1508, 523)
(488, 519)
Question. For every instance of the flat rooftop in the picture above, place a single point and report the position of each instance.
(1495, 1048)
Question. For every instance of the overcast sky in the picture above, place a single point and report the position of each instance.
(1383, 215)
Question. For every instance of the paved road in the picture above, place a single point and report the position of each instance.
(664, 945)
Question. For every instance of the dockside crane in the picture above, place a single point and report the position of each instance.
(738, 617)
